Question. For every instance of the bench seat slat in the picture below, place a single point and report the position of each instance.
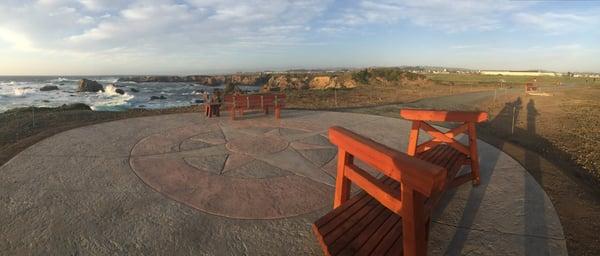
(341, 214)
(362, 226)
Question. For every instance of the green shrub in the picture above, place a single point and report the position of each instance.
(361, 76)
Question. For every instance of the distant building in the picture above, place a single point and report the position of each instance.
(518, 73)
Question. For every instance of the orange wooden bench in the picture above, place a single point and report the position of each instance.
(529, 87)
(240, 103)
(391, 215)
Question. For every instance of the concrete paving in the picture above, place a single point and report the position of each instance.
(185, 184)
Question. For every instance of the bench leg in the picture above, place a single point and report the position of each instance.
(232, 113)
(210, 111)
(414, 226)
(277, 113)
(474, 156)
(342, 184)
(266, 110)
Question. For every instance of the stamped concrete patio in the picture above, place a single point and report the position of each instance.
(184, 184)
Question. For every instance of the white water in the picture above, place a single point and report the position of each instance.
(18, 92)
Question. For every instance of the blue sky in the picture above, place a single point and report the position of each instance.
(69, 37)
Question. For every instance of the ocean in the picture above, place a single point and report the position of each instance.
(24, 91)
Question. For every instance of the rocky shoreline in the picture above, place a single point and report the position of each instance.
(294, 81)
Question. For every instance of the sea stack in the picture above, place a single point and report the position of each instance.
(49, 88)
(86, 85)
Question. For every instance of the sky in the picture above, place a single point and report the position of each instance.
(118, 37)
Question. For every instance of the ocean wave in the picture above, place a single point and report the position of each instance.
(8, 83)
(112, 91)
(107, 80)
(22, 91)
(63, 79)
(111, 101)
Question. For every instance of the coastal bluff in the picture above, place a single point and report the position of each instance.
(216, 80)
(294, 80)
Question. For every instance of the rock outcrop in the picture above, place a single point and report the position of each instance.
(86, 85)
(47, 88)
(302, 82)
(217, 80)
(317, 80)
(119, 91)
(161, 97)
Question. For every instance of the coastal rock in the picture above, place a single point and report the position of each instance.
(217, 80)
(134, 90)
(322, 82)
(75, 106)
(86, 85)
(119, 91)
(49, 88)
(303, 82)
(161, 97)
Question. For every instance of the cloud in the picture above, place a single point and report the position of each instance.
(221, 32)
(16, 40)
(451, 16)
(554, 22)
(155, 26)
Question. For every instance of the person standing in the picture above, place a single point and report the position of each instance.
(215, 103)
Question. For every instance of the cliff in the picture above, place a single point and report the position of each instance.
(236, 79)
(297, 81)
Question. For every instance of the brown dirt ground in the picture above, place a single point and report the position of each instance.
(556, 138)
(374, 95)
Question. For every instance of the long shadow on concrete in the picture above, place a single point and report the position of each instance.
(533, 204)
(534, 200)
(474, 199)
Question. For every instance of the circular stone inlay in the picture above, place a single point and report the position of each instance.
(238, 170)
(257, 145)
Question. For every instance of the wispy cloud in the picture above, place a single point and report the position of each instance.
(558, 23)
(205, 32)
(451, 16)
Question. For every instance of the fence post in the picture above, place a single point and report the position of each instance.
(512, 131)
(32, 118)
(17, 127)
(335, 96)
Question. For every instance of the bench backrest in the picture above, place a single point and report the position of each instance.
(414, 174)
(468, 119)
(530, 87)
(255, 100)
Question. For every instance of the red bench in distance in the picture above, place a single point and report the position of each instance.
(240, 103)
(392, 214)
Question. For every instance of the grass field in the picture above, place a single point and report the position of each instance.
(476, 79)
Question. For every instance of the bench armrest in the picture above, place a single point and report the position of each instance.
(420, 175)
(443, 116)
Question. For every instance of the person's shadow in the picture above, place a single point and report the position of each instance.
(534, 203)
(534, 219)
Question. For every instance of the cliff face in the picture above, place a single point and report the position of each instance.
(318, 82)
(249, 80)
(298, 81)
